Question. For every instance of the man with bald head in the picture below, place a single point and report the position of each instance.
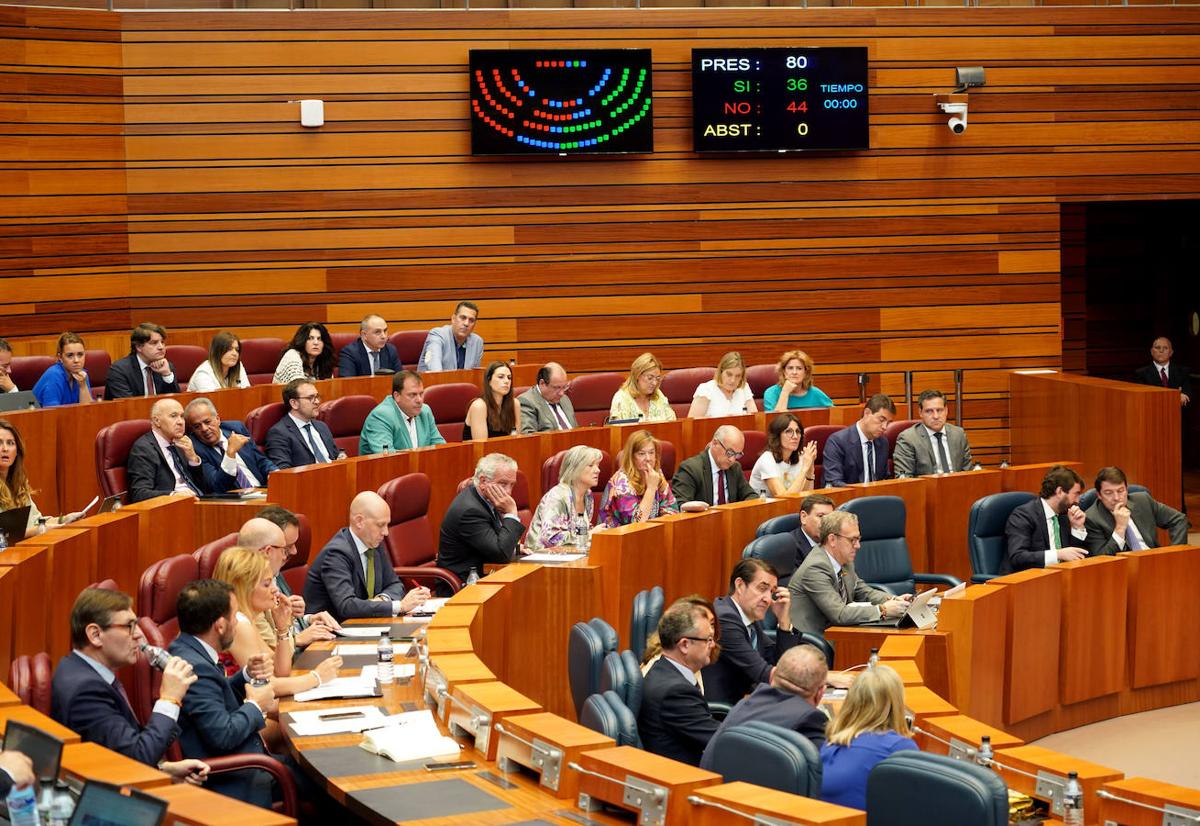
(1163, 372)
(372, 351)
(163, 461)
(791, 700)
(715, 475)
(229, 459)
(352, 576)
(545, 406)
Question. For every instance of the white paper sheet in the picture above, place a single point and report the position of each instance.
(552, 557)
(362, 632)
(309, 723)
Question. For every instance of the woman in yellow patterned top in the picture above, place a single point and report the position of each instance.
(639, 397)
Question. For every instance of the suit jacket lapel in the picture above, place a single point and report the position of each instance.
(299, 435)
(706, 486)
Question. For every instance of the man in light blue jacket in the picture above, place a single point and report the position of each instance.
(454, 346)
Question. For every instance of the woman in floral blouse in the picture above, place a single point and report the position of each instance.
(639, 397)
(639, 490)
(554, 520)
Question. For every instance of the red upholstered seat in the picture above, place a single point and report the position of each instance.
(260, 357)
(340, 340)
(295, 567)
(449, 403)
(29, 678)
(112, 452)
(520, 495)
(756, 443)
(97, 364)
(261, 419)
(409, 539)
(551, 466)
(106, 585)
(591, 396)
(760, 377)
(26, 370)
(893, 433)
(666, 457)
(408, 344)
(680, 385)
(186, 358)
(345, 417)
(207, 555)
(820, 433)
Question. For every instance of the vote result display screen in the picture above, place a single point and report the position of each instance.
(780, 99)
(560, 101)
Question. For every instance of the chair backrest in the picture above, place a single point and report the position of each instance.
(621, 673)
(760, 377)
(767, 755)
(776, 549)
(646, 612)
(106, 585)
(409, 539)
(986, 542)
(901, 787)
(1088, 497)
(892, 433)
(29, 677)
(260, 357)
(97, 363)
(449, 403)
(680, 385)
(607, 714)
(882, 558)
(185, 358)
(207, 555)
(261, 419)
(819, 434)
(551, 467)
(591, 396)
(345, 417)
(756, 443)
(340, 340)
(786, 523)
(586, 646)
(112, 453)
(666, 457)
(408, 344)
(26, 370)
(520, 495)
(295, 567)
(159, 589)
(817, 641)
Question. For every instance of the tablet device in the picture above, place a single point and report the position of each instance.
(102, 804)
(13, 523)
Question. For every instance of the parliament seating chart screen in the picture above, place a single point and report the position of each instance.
(560, 101)
(780, 99)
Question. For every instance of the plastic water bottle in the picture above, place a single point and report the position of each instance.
(62, 807)
(22, 805)
(385, 672)
(1004, 464)
(583, 536)
(472, 577)
(984, 756)
(3, 541)
(1073, 801)
(873, 660)
(41, 525)
(157, 657)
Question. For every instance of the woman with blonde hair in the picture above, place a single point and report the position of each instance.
(553, 522)
(869, 727)
(640, 397)
(15, 490)
(639, 490)
(727, 393)
(795, 388)
(223, 367)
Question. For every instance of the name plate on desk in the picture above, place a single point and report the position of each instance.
(448, 670)
(545, 743)
(655, 788)
(477, 707)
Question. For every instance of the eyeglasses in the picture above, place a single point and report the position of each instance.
(705, 640)
(656, 379)
(853, 540)
(732, 454)
(315, 397)
(791, 431)
(128, 626)
(269, 548)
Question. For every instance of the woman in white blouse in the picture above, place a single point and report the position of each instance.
(726, 393)
(785, 467)
(223, 368)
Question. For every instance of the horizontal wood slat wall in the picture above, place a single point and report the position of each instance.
(152, 167)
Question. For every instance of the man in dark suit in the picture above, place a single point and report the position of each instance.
(352, 576)
(299, 438)
(861, 445)
(229, 459)
(87, 697)
(481, 525)
(371, 353)
(748, 655)
(674, 719)
(792, 699)
(1162, 372)
(545, 406)
(1122, 521)
(16, 769)
(1048, 529)
(163, 461)
(145, 371)
(714, 474)
(221, 715)
(808, 533)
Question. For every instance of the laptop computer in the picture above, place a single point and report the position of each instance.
(45, 750)
(102, 804)
(21, 400)
(13, 523)
(918, 615)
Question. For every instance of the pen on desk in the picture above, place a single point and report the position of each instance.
(344, 715)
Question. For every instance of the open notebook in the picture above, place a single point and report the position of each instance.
(411, 736)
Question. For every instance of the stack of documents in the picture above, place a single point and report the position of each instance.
(337, 720)
(413, 735)
(362, 685)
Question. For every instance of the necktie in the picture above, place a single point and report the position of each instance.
(942, 455)
(869, 470)
(312, 443)
(1131, 539)
(370, 573)
(720, 489)
(374, 362)
(149, 381)
(179, 468)
(120, 689)
(753, 636)
(1162, 376)
(562, 420)
(1058, 536)
(239, 477)
(841, 585)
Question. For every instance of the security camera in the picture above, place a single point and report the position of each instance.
(958, 120)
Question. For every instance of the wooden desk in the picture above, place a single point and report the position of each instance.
(196, 806)
(8, 579)
(71, 565)
(1031, 654)
(116, 535)
(1029, 477)
(976, 623)
(1034, 759)
(91, 761)
(694, 561)
(962, 732)
(39, 432)
(698, 433)
(854, 644)
(321, 492)
(166, 527)
(1147, 791)
(631, 558)
(28, 569)
(7, 697)
(218, 518)
(1163, 590)
(948, 500)
(741, 521)
(373, 472)
(32, 717)
(1093, 627)
(756, 801)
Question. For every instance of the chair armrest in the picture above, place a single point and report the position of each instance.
(979, 579)
(281, 774)
(719, 710)
(887, 589)
(418, 574)
(937, 579)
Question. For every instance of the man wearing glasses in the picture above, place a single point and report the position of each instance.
(714, 475)
(299, 438)
(87, 697)
(674, 720)
(859, 453)
(826, 591)
(545, 406)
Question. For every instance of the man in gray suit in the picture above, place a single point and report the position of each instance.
(826, 591)
(1122, 521)
(545, 406)
(454, 346)
(933, 446)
